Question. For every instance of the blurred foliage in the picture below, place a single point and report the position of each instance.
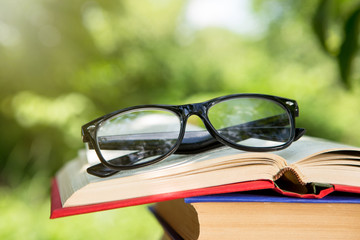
(331, 17)
(65, 63)
(29, 219)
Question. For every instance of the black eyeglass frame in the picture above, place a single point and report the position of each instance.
(89, 130)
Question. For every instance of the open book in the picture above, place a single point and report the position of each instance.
(310, 167)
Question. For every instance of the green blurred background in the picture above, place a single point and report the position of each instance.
(63, 63)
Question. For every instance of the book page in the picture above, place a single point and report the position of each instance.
(178, 162)
(72, 176)
(307, 147)
(299, 150)
(176, 173)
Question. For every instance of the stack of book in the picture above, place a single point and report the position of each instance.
(316, 185)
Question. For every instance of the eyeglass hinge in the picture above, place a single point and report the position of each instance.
(294, 106)
(90, 130)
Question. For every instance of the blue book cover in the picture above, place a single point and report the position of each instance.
(261, 196)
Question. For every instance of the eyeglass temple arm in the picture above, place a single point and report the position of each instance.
(199, 141)
(101, 170)
(193, 142)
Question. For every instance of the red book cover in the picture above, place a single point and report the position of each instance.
(57, 210)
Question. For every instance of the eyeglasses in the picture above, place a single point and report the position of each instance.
(142, 135)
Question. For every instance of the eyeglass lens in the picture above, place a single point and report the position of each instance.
(138, 136)
(251, 122)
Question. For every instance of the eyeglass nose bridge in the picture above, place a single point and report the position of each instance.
(198, 109)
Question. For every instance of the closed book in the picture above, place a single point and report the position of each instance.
(260, 215)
